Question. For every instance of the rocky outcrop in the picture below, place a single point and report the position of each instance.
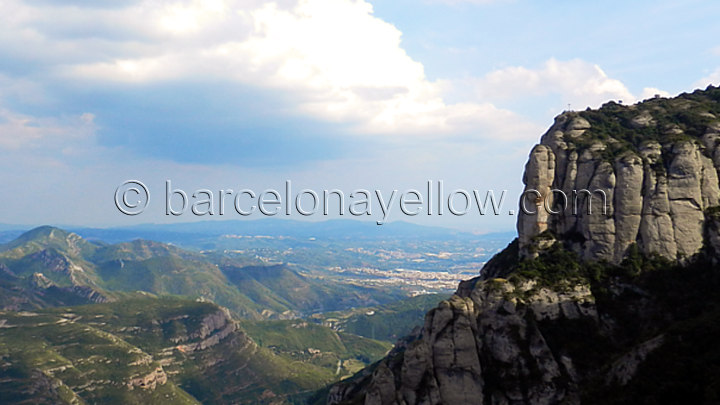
(487, 347)
(54, 261)
(90, 294)
(625, 368)
(149, 381)
(602, 190)
(213, 329)
(40, 282)
(600, 183)
(517, 342)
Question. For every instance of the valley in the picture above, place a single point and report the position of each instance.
(260, 319)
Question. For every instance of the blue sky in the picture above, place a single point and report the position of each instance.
(343, 94)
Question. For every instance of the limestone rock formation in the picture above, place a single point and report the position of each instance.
(213, 329)
(149, 381)
(493, 330)
(625, 182)
(600, 187)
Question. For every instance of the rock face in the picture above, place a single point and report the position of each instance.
(90, 294)
(486, 346)
(213, 329)
(598, 184)
(602, 190)
(149, 381)
(522, 341)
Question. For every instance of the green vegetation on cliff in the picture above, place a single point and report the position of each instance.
(663, 120)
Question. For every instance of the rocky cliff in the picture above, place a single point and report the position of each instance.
(607, 306)
(470, 338)
(644, 174)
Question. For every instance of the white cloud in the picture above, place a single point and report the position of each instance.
(335, 57)
(579, 83)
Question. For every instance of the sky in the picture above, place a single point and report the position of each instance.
(327, 94)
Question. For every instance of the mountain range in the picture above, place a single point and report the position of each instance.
(62, 266)
(147, 322)
(607, 306)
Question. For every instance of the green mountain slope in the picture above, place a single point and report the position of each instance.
(338, 354)
(59, 255)
(172, 274)
(149, 350)
(46, 237)
(387, 322)
(51, 357)
(81, 323)
(282, 289)
(68, 270)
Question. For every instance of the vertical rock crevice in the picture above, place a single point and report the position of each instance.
(601, 194)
